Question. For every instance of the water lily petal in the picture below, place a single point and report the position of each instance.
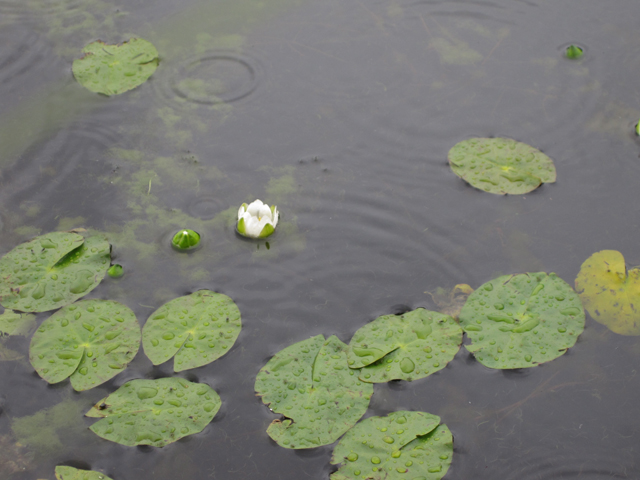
(265, 212)
(275, 216)
(252, 227)
(254, 207)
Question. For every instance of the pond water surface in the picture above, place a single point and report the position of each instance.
(341, 112)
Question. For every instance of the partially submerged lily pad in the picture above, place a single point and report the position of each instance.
(610, 292)
(154, 412)
(52, 270)
(451, 302)
(12, 323)
(70, 473)
(501, 165)
(90, 341)
(196, 328)
(114, 69)
(310, 383)
(404, 347)
(520, 321)
(402, 445)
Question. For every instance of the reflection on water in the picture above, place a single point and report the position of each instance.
(342, 114)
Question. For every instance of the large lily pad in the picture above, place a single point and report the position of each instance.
(310, 383)
(155, 412)
(501, 165)
(402, 445)
(114, 69)
(610, 293)
(70, 473)
(520, 321)
(52, 270)
(196, 328)
(404, 347)
(12, 323)
(90, 341)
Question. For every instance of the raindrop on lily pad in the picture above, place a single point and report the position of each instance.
(185, 240)
(195, 329)
(114, 69)
(90, 341)
(610, 292)
(154, 412)
(501, 165)
(404, 347)
(310, 383)
(52, 270)
(70, 473)
(520, 321)
(402, 445)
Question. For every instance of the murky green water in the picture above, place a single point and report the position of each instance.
(342, 113)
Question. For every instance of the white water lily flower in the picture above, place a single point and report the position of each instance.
(257, 220)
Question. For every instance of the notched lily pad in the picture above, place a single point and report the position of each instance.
(404, 347)
(310, 383)
(154, 412)
(196, 328)
(90, 341)
(12, 323)
(114, 69)
(501, 165)
(610, 293)
(52, 270)
(520, 321)
(70, 473)
(402, 445)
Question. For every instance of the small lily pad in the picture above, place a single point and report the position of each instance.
(402, 445)
(610, 293)
(12, 323)
(501, 165)
(196, 328)
(154, 412)
(70, 473)
(90, 341)
(52, 270)
(404, 347)
(115, 69)
(310, 383)
(520, 321)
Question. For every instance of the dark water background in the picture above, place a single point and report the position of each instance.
(342, 113)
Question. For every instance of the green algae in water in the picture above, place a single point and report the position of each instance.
(520, 321)
(52, 270)
(195, 329)
(154, 412)
(70, 473)
(501, 165)
(115, 69)
(90, 341)
(402, 445)
(310, 383)
(404, 347)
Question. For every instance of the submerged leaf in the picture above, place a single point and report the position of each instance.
(610, 293)
(451, 302)
(12, 323)
(196, 328)
(114, 69)
(70, 473)
(154, 412)
(520, 321)
(404, 347)
(52, 270)
(402, 445)
(90, 341)
(501, 165)
(310, 383)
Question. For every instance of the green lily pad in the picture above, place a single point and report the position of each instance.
(90, 341)
(501, 165)
(154, 412)
(70, 473)
(609, 292)
(114, 69)
(402, 445)
(310, 383)
(12, 323)
(520, 321)
(404, 347)
(52, 270)
(196, 328)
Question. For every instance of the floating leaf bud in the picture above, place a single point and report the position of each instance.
(257, 220)
(638, 128)
(115, 271)
(573, 52)
(186, 239)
